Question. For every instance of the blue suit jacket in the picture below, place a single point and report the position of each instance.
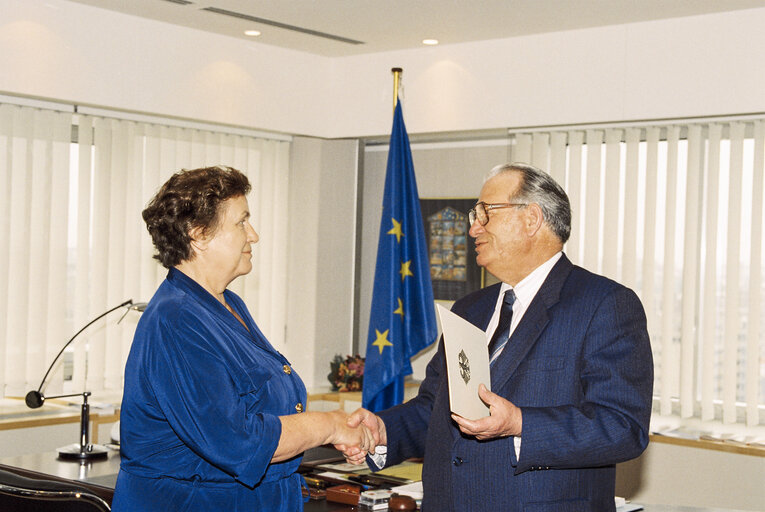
(578, 365)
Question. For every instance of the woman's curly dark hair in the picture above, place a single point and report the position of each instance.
(189, 199)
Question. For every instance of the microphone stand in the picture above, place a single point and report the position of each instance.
(83, 450)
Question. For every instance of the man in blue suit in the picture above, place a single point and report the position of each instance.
(572, 385)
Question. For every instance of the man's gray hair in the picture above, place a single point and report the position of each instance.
(538, 187)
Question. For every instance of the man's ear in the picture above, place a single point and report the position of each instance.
(534, 219)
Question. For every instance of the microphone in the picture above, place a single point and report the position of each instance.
(35, 398)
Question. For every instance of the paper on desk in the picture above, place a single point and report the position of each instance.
(467, 364)
(345, 467)
(413, 490)
(411, 471)
(622, 505)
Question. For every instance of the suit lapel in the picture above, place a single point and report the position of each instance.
(531, 326)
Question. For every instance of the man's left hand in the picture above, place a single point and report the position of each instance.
(504, 418)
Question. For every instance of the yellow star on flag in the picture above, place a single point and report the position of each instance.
(382, 340)
(396, 230)
(400, 310)
(405, 270)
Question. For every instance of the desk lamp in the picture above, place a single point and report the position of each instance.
(83, 450)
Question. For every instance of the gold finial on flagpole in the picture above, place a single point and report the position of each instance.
(396, 81)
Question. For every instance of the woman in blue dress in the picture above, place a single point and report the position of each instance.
(212, 415)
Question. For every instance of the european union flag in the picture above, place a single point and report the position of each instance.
(402, 321)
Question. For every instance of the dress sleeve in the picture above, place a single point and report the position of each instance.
(220, 419)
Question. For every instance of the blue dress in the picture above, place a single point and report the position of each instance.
(199, 420)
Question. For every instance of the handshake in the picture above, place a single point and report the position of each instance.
(358, 434)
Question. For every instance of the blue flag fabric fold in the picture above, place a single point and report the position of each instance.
(402, 321)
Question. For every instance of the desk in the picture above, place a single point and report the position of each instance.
(101, 476)
(98, 476)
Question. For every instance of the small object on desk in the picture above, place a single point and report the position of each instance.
(313, 493)
(400, 502)
(346, 493)
(321, 455)
(623, 506)
(315, 482)
(334, 478)
(375, 500)
(360, 480)
(629, 507)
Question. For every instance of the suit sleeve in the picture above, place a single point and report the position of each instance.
(610, 423)
(406, 425)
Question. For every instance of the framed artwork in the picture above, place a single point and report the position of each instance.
(451, 251)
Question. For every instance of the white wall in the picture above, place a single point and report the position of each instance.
(68, 51)
(701, 65)
(321, 252)
(695, 66)
(693, 477)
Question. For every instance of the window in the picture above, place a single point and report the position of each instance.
(72, 188)
(675, 213)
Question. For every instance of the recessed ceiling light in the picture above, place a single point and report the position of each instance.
(430, 42)
(253, 33)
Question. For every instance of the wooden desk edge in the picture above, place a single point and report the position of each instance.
(341, 396)
(56, 419)
(708, 444)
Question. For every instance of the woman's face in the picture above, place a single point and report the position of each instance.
(228, 252)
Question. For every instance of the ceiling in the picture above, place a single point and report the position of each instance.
(351, 27)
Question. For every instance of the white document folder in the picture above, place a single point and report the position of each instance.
(467, 364)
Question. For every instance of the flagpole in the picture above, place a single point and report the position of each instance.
(396, 81)
(402, 320)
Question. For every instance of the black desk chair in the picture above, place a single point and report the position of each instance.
(21, 494)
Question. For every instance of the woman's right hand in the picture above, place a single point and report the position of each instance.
(310, 429)
(346, 436)
(361, 418)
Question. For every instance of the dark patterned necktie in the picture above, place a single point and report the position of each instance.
(502, 332)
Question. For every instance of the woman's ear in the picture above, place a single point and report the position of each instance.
(198, 240)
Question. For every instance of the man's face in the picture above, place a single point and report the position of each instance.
(502, 240)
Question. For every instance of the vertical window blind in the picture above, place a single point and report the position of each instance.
(674, 211)
(72, 190)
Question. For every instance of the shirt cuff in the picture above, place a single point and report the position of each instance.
(379, 457)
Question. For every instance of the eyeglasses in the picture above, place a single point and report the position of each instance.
(480, 211)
